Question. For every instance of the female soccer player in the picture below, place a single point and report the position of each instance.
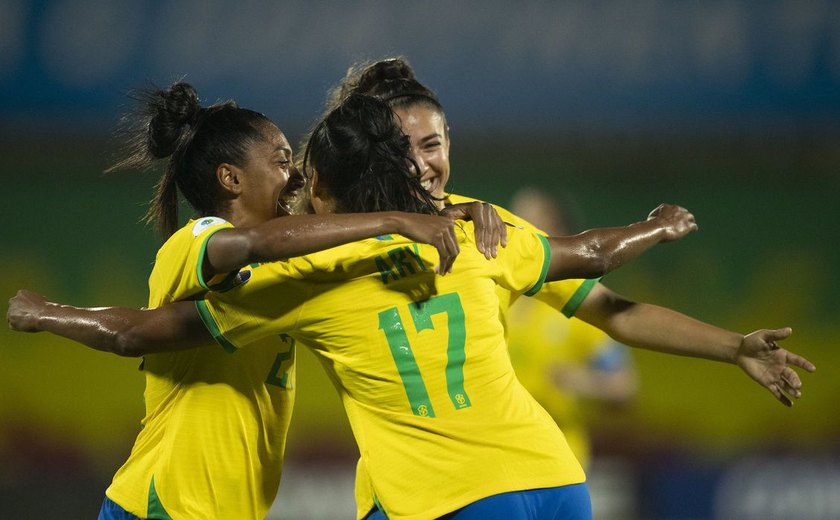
(215, 427)
(640, 325)
(420, 361)
(422, 118)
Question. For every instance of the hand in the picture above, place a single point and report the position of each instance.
(490, 229)
(770, 365)
(434, 230)
(25, 309)
(675, 221)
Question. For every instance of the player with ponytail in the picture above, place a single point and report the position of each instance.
(420, 389)
(215, 427)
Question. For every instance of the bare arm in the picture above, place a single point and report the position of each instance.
(286, 237)
(663, 330)
(122, 331)
(596, 252)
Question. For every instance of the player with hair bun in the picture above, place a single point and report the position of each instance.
(420, 360)
(215, 426)
(641, 325)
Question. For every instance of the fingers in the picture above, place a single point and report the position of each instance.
(790, 384)
(495, 224)
(779, 395)
(490, 229)
(799, 361)
(503, 233)
(448, 250)
(777, 334)
(675, 220)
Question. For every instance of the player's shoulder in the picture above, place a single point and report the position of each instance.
(201, 227)
(194, 230)
(507, 216)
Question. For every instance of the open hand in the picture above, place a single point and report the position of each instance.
(674, 220)
(770, 365)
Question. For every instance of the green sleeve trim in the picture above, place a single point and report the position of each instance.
(546, 262)
(212, 327)
(198, 268)
(155, 510)
(577, 298)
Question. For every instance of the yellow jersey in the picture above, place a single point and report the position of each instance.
(420, 362)
(212, 440)
(564, 294)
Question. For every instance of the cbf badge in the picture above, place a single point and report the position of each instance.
(206, 222)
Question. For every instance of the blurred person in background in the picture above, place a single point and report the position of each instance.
(564, 363)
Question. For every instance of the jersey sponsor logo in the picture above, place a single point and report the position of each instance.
(206, 222)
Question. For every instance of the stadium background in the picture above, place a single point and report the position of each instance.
(730, 108)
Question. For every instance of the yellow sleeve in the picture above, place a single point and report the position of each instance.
(524, 262)
(177, 273)
(563, 295)
(266, 304)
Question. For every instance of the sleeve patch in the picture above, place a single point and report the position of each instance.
(206, 222)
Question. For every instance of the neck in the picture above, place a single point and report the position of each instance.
(237, 215)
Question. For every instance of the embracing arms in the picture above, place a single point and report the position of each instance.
(286, 237)
(135, 332)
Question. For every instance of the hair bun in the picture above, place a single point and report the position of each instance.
(172, 110)
(395, 68)
(181, 102)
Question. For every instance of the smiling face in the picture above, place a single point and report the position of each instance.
(427, 132)
(268, 174)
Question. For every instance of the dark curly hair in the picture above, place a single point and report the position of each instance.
(362, 156)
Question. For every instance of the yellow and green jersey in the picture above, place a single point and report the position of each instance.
(215, 428)
(564, 294)
(420, 362)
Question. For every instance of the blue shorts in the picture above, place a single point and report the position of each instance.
(557, 503)
(112, 511)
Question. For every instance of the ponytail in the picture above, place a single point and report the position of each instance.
(171, 123)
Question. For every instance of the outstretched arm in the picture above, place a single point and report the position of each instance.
(290, 236)
(122, 331)
(596, 252)
(663, 330)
